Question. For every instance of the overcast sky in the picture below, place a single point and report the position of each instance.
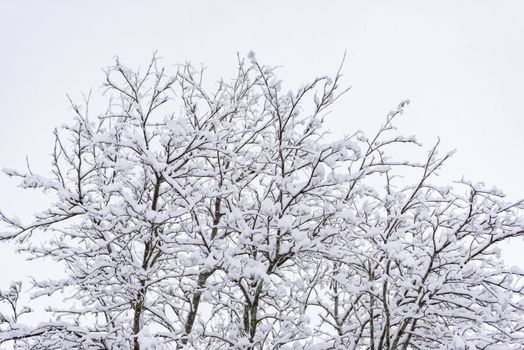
(460, 63)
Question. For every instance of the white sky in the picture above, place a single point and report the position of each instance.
(460, 63)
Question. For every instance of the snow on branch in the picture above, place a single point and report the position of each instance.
(194, 218)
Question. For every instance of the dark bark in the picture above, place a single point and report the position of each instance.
(148, 252)
(202, 278)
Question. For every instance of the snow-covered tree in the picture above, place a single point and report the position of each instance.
(186, 217)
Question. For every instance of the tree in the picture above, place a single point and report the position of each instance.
(196, 218)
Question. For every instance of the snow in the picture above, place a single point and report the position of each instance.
(235, 202)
